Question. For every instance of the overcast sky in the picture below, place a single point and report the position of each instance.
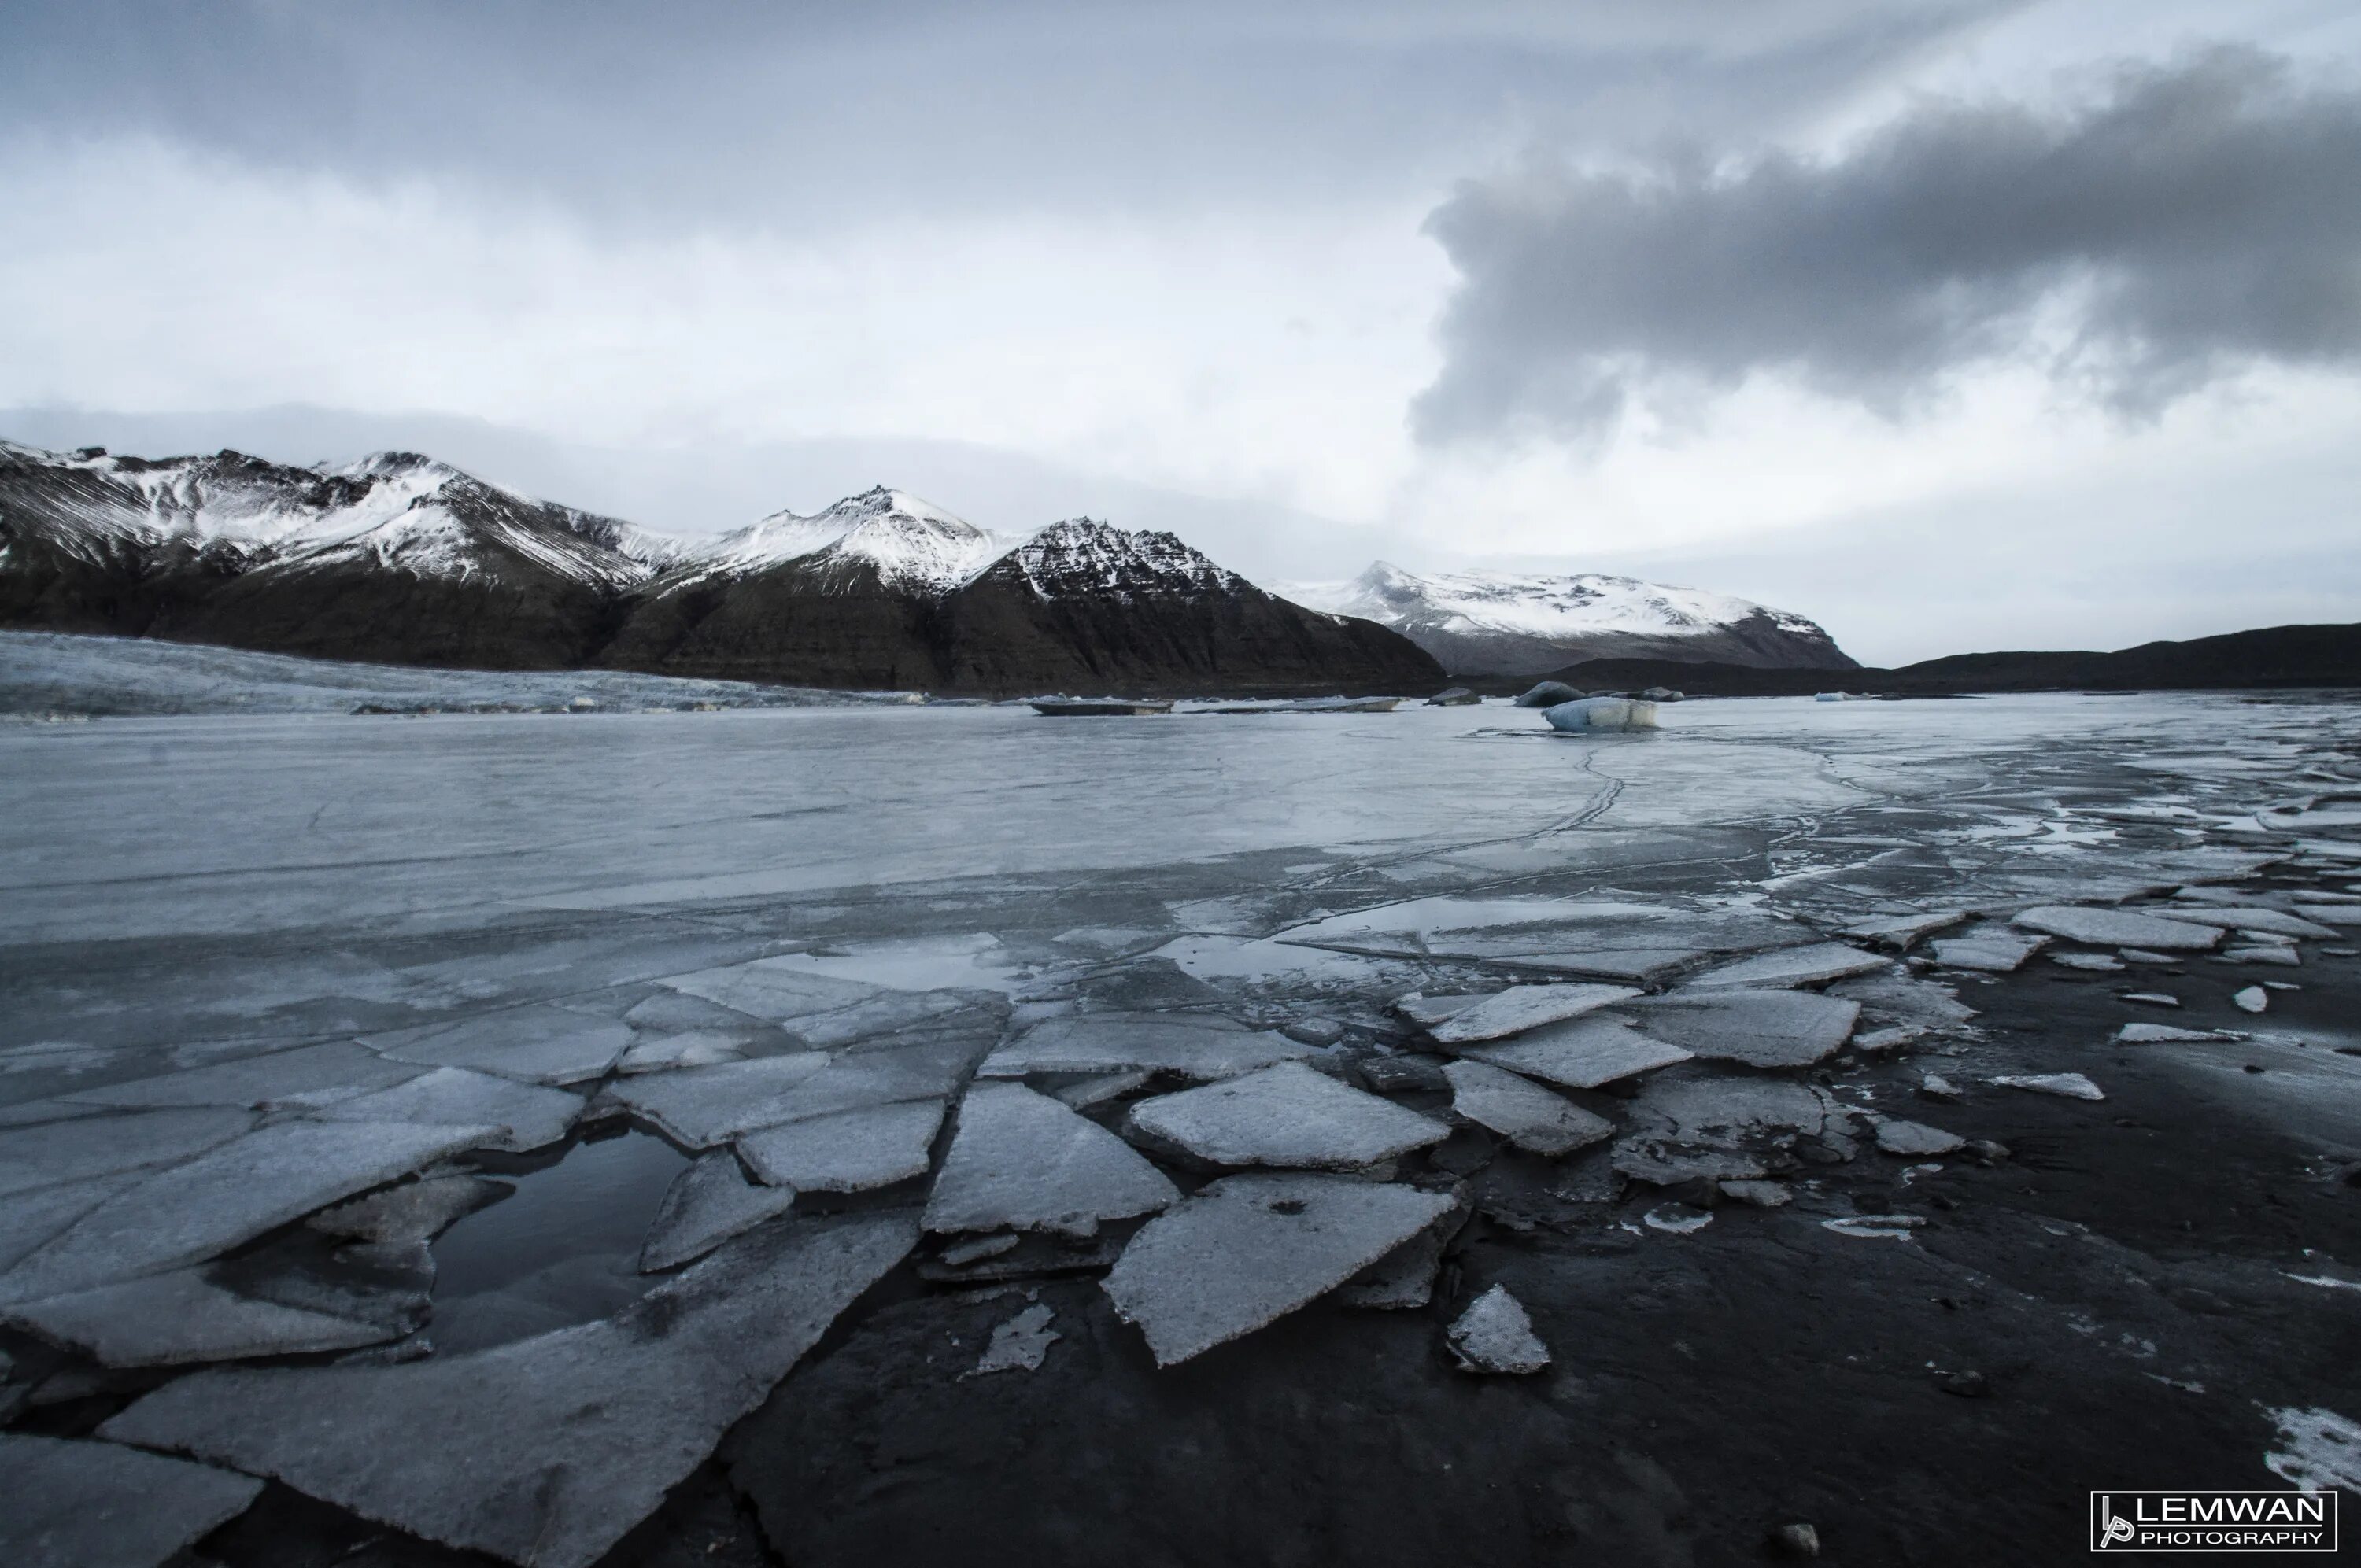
(1953, 323)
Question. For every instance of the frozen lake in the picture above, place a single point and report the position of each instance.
(543, 1089)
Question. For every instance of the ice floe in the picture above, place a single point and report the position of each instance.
(1494, 1334)
(2118, 928)
(174, 1319)
(522, 1116)
(593, 1424)
(847, 1151)
(705, 1205)
(1812, 965)
(535, 1044)
(1917, 1140)
(1285, 1115)
(1196, 1046)
(1995, 950)
(1761, 1028)
(2070, 1085)
(1529, 1117)
(99, 1505)
(1248, 1250)
(1581, 1054)
(1020, 1160)
(1523, 1007)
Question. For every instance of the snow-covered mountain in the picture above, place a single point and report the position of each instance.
(903, 540)
(401, 559)
(1503, 624)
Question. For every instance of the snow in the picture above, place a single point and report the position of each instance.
(911, 543)
(1549, 607)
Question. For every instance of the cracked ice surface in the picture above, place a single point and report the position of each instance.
(827, 938)
(593, 1424)
(72, 1504)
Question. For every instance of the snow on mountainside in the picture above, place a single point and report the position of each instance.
(1517, 624)
(909, 541)
(1085, 557)
(394, 509)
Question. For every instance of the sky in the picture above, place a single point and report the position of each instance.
(1955, 325)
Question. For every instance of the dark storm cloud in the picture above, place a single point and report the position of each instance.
(811, 115)
(2192, 221)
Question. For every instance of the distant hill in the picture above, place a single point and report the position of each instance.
(2272, 656)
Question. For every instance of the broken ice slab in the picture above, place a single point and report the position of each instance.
(1761, 1028)
(1020, 1344)
(1426, 1011)
(1993, 949)
(1906, 999)
(337, 1066)
(78, 1148)
(704, 1106)
(1640, 964)
(1918, 1140)
(524, 1116)
(2328, 915)
(1023, 1161)
(1522, 1111)
(1593, 713)
(1495, 1335)
(29, 1219)
(1099, 1087)
(1192, 1045)
(847, 1151)
(1286, 1115)
(2284, 957)
(1757, 1194)
(208, 1205)
(2168, 1033)
(413, 1211)
(2095, 963)
(1812, 965)
(2071, 1085)
(2249, 919)
(1608, 938)
(1721, 1110)
(1582, 1053)
(2253, 999)
(1875, 1227)
(546, 1451)
(2119, 928)
(1902, 931)
(1678, 1219)
(823, 1010)
(1403, 1279)
(99, 1505)
(533, 1044)
(693, 1048)
(2151, 998)
(176, 1318)
(705, 1205)
(1248, 1250)
(1523, 1007)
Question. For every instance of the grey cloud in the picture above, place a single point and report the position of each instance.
(804, 117)
(2193, 220)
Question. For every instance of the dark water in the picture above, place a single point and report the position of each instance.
(564, 1248)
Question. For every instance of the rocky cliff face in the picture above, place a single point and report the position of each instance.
(403, 560)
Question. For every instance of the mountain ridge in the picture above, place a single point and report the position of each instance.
(402, 559)
(1520, 623)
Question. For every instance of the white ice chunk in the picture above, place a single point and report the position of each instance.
(172, 1319)
(1286, 1115)
(233, 1193)
(1192, 1045)
(2072, 1085)
(2316, 1449)
(2253, 999)
(523, 1115)
(1903, 931)
(2249, 919)
(705, 1205)
(546, 1451)
(847, 1151)
(2167, 1034)
(1020, 1344)
(1248, 1250)
(1995, 950)
(1761, 1028)
(1523, 1007)
(1581, 1054)
(1789, 966)
(1023, 1161)
(708, 1105)
(2095, 963)
(1590, 713)
(1494, 1334)
(1917, 1140)
(2119, 928)
(99, 1505)
(1522, 1111)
